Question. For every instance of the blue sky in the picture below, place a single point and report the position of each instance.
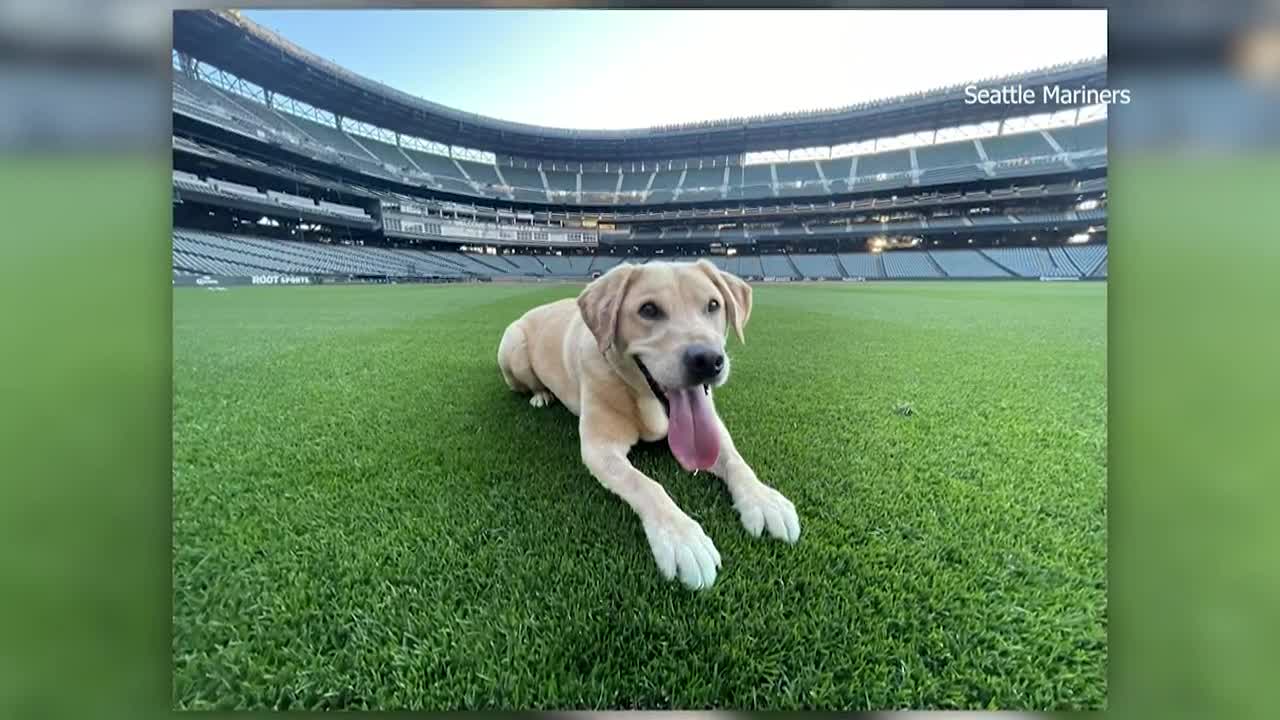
(638, 68)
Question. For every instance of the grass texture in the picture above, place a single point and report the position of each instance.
(365, 517)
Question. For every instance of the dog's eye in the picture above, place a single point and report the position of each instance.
(713, 306)
(649, 311)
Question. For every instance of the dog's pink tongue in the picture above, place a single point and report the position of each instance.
(691, 429)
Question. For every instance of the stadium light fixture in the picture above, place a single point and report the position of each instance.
(1078, 238)
(1087, 205)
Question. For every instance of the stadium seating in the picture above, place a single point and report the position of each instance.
(727, 263)
(798, 189)
(419, 263)
(836, 169)
(187, 181)
(238, 255)
(749, 266)
(599, 182)
(836, 173)
(1011, 156)
(558, 181)
(759, 175)
(330, 136)
(526, 264)
(700, 194)
(196, 264)
(635, 182)
(1028, 262)
(894, 162)
(750, 182)
(797, 172)
(909, 264)
(1090, 137)
(389, 154)
(817, 266)
(432, 164)
(777, 266)
(666, 180)
(1086, 258)
(557, 266)
(204, 101)
(946, 155)
(1025, 167)
(703, 178)
(1062, 260)
(461, 187)
(285, 256)
(980, 220)
(529, 195)
(523, 178)
(483, 173)
(939, 176)
(601, 263)
(966, 264)
(861, 265)
(1015, 147)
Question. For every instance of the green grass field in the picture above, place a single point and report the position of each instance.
(365, 516)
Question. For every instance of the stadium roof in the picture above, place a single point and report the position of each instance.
(236, 44)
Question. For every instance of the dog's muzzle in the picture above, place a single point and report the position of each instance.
(657, 390)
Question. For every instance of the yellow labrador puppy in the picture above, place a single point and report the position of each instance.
(635, 357)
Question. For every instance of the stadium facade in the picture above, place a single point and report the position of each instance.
(291, 169)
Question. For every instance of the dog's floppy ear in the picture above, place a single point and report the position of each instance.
(737, 295)
(601, 301)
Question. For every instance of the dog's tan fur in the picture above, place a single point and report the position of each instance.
(579, 352)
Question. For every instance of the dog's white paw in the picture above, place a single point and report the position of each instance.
(764, 508)
(682, 549)
(542, 398)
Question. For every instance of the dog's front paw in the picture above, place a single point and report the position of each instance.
(542, 398)
(764, 508)
(681, 548)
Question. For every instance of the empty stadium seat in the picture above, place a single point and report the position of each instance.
(749, 266)
(437, 165)
(777, 266)
(949, 154)
(480, 172)
(1028, 262)
(966, 264)
(836, 169)
(387, 153)
(817, 266)
(599, 182)
(886, 163)
(909, 264)
(861, 265)
(1090, 137)
(1017, 146)
(1087, 258)
(561, 181)
(797, 172)
(666, 180)
(703, 178)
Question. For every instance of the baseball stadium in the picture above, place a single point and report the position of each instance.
(366, 517)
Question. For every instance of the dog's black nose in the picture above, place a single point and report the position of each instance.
(703, 363)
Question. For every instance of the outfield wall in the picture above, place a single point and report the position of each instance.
(268, 279)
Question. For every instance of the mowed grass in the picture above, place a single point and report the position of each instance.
(365, 516)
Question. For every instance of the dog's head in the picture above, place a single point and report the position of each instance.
(671, 319)
(668, 323)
